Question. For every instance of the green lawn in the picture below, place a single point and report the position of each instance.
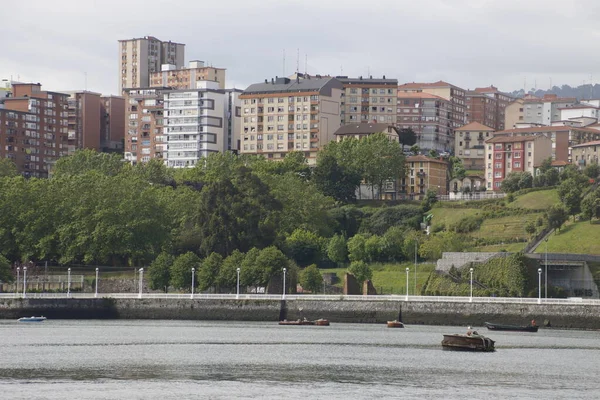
(505, 228)
(478, 172)
(578, 237)
(509, 247)
(540, 200)
(449, 216)
(391, 278)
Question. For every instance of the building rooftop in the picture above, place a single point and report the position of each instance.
(475, 126)
(535, 129)
(287, 85)
(510, 139)
(420, 157)
(592, 143)
(365, 128)
(419, 85)
(419, 95)
(366, 81)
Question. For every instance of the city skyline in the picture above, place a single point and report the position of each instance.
(468, 43)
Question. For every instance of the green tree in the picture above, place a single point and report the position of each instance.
(7, 168)
(209, 271)
(530, 228)
(181, 270)
(392, 242)
(456, 168)
(433, 153)
(437, 243)
(557, 216)
(356, 248)
(569, 192)
(228, 273)
(311, 278)
(304, 247)
(335, 180)
(592, 171)
(429, 200)
(361, 271)
(373, 246)
(270, 262)
(159, 272)
(250, 273)
(407, 137)
(415, 150)
(84, 161)
(516, 181)
(5, 272)
(546, 165)
(590, 205)
(337, 250)
(412, 240)
(552, 177)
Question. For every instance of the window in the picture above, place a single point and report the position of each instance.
(517, 164)
(517, 154)
(498, 165)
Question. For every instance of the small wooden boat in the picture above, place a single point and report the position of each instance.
(297, 322)
(468, 342)
(395, 324)
(322, 322)
(32, 319)
(514, 328)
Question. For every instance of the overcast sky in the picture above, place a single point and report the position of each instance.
(470, 43)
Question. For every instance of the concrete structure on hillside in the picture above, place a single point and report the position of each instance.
(33, 128)
(430, 117)
(284, 115)
(359, 131)
(468, 184)
(506, 154)
(545, 110)
(140, 57)
(586, 153)
(368, 100)
(187, 78)
(469, 144)
(423, 174)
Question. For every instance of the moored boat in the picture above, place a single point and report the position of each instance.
(322, 322)
(296, 322)
(395, 324)
(32, 319)
(472, 341)
(514, 328)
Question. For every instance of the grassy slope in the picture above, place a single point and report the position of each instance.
(539, 200)
(505, 228)
(449, 216)
(391, 278)
(575, 237)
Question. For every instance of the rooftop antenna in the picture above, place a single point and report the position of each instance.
(298, 61)
(341, 70)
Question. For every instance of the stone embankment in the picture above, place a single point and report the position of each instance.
(355, 311)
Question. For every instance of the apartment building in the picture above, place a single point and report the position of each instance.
(514, 114)
(469, 144)
(545, 110)
(144, 117)
(368, 100)
(197, 124)
(563, 137)
(429, 116)
(582, 110)
(359, 131)
(586, 153)
(487, 106)
(423, 174)
(284, 115)
(33, 128)
(454, 94)
(506, 154)
(187, 78)
(84, 116)
(140, 57)
(112, 123)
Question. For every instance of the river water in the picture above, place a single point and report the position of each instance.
(222, 360)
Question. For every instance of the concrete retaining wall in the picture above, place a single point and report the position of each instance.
(429, 313)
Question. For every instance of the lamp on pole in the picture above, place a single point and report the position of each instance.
(18, 278)
(284, 270)
(237, 293)
(69, 282)
(141, 282)
(96, 292)
(546, 271)
(416, 247)
(407, 270)
(539, 286)
(24, 282)
(193, 272)
(471, 271)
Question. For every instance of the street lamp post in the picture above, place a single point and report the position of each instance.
(193, 272)
(69, 282)
(539, 286)
(237, 293)
(141, 282)
(284, 270)
(471, 271)
(24, 282)
(407, 271)
(546, 271)
(18, 279)
(416, 247)
(96, 292)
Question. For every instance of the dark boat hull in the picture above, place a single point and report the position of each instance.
(468, 343)
(512, 328)
(298, 322)
(395, 324)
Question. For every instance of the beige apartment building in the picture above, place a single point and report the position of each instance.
(514, 114)
(359, 131)
(284, 115)
(586, 154)
(33, 128)
(368, 100)
(454, 94)
(187, 78)
(469, 144)
(423, 174)
(140, 57)
(506, 154)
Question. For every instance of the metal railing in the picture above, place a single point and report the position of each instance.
(309, 297)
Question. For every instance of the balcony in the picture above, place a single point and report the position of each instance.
(421, 174)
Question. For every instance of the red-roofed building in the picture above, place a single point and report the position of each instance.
(487, 106)
(506, 154)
